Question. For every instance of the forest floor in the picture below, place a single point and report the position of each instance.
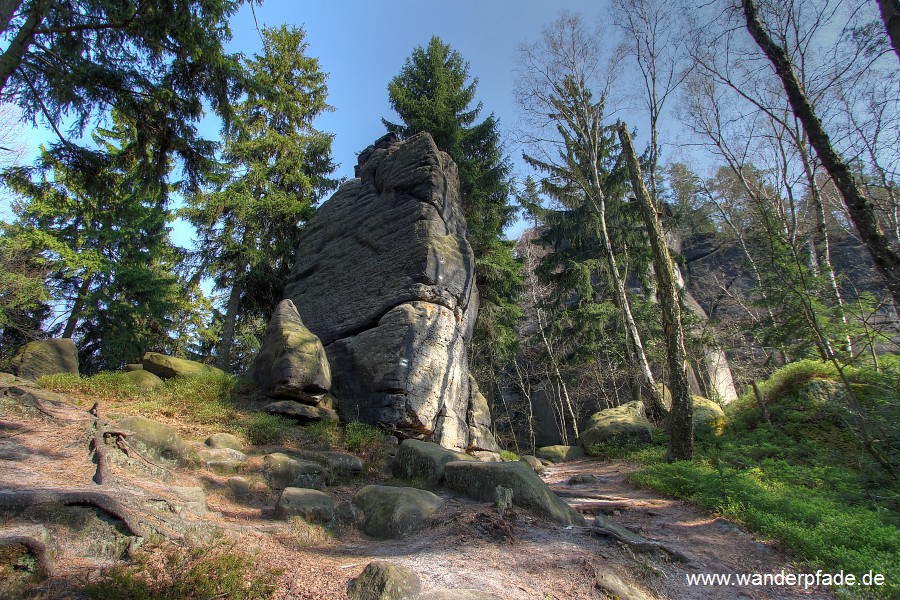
(469, 545)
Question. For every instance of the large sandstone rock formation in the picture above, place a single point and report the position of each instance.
(385, 278)
(45, 357)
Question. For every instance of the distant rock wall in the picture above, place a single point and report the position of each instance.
(385, 278)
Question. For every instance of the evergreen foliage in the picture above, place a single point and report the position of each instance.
(100, 232)
(69, 63)
(434, 93)
(279, 163)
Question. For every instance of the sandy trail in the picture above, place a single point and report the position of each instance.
(470, 546)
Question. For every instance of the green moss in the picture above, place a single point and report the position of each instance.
(507, 455)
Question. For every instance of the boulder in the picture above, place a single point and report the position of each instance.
(44, 357)
(534, 463)
(156, 441)
(302, 413)
(383, 580)
(223, 461)
(395, 512)
(225, 440)
(291, 363)
(144, 381)
(558, 454)
(240, 488)
(281, 471)
(708, 416)
(314, 506)
(169, 366)
(424, 460)
(133, 367)
(338, 463)
(384, 277)
(479, 480)
(624, 423)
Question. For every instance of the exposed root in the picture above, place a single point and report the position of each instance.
(36, 546)
(601, 526)
(23, 499)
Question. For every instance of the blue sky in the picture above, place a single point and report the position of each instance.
(363, 44)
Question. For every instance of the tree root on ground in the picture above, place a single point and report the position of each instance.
(23, 499)
(602, 526)
(36, 546)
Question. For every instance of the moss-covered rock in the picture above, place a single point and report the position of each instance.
(225, 440)
(383, 580)
(558, 454)
(144, 381)
(44, 357)
(480, 480)
(424, 460)
(156, 440)
(169, 366)
(224, 461)
(533, 462)
(708, 416)
(395, 512)
(622, 424)
(314, 506)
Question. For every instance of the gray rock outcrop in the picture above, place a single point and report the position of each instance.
(385, 278)
(167, 367)
(395, 512)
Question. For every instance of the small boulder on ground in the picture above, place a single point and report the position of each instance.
(384, 580)
(168, 367)
(395, 512)
(225, 440)
(339, 464)
(156, 441)
(314, 506)
(45, 357)
(424, 460)
(144, 381)
(282, 471)
(558, 454)
(624, 423)
(479, 480)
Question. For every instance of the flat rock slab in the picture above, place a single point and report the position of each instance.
(395, 512)
(301, 413)
(224, 461)
(479, 480)
(156, 441)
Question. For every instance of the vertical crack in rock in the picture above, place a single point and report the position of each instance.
(384, 276)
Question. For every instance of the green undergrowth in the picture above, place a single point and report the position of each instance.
(165, 573)
(203, 404)
(802, 478)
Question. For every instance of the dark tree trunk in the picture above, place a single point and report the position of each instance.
(227, 341)
(12, 58)
(890, 14)
(7, 9)
(77, 306)
(681, 429)
(886, 259)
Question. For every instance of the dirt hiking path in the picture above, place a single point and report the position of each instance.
(469, 546)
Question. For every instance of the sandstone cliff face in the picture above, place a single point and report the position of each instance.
(385, 278)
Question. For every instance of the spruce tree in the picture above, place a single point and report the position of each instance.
(101, 234)
(434, 93)
(280, 166)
